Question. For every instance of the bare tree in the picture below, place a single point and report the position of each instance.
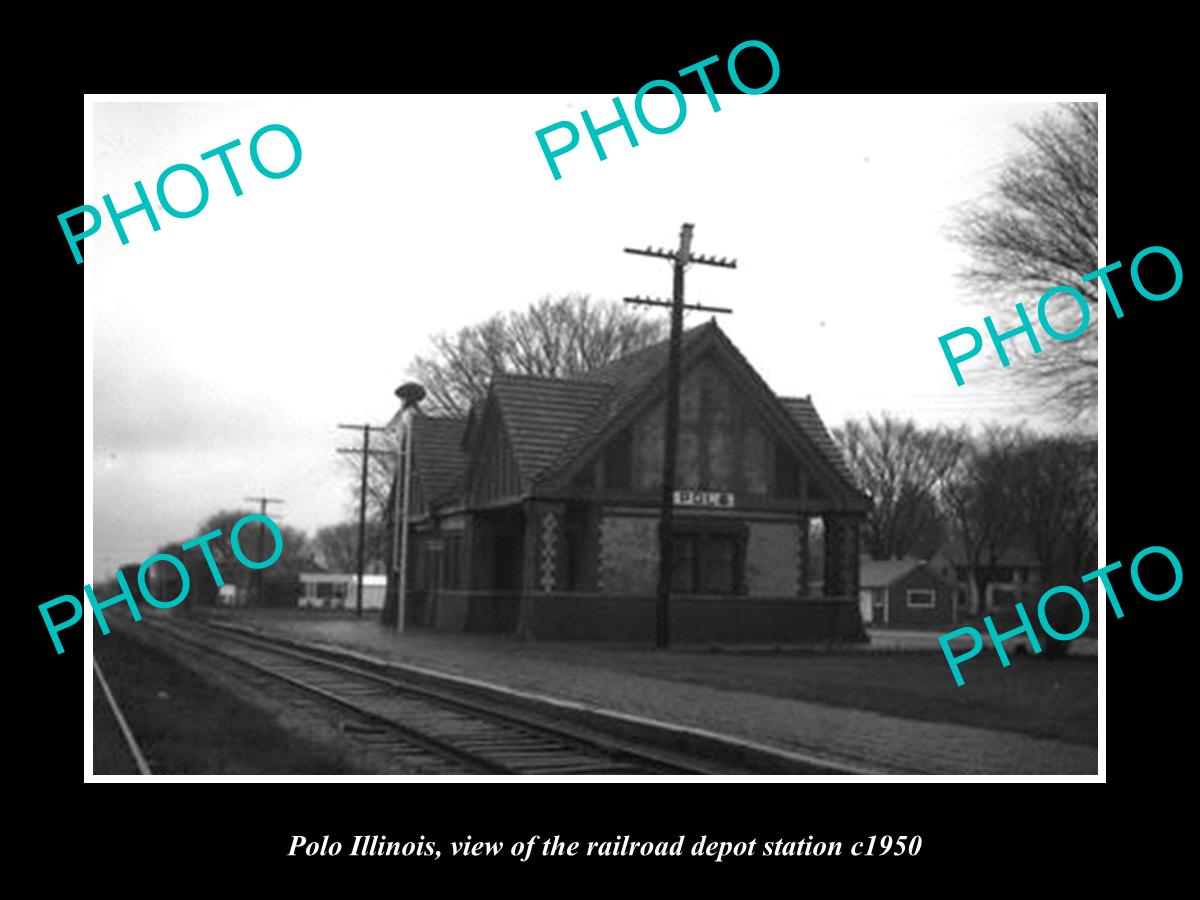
(296, 556)
(380, 474)
(1057, 492)
(981, 498)
(563, 338)
(901, 467)
(336, 546)
(1038, 229)
(554, 338)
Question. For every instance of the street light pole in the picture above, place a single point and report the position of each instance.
(410, 394)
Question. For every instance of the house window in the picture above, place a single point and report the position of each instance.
(708, 561)
(920, 598)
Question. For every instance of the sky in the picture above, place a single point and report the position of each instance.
(228, 346)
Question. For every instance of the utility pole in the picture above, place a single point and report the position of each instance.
(262, 531)
(680, 260)
(362, 500)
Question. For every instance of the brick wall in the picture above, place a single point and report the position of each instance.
(773, 559)
(693, 621)
(628, 555)
(723, 446)
(475, 612)
(841, 554)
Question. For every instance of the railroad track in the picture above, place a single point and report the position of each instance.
(431, 729)
(131, 744)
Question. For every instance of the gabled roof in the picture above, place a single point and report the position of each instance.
(1017, 554)
(553, 424)
(882, 572)
(541, 415)
(632, 376)
(438, 453)
(804, 414)
(619, 384)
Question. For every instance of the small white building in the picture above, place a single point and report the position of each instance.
(228, 595)
(338, 590)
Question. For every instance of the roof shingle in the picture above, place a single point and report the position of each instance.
(550, 422)
(805, 415)
(882, 572)
(438, 453)
(542, 414)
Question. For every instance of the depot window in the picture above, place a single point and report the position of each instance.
(709, 558)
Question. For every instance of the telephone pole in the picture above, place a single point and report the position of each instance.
(262, 531)
(680, 260)
(362, 499)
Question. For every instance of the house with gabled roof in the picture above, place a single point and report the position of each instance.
(1011, 576)
(538, 513)
(905, 593)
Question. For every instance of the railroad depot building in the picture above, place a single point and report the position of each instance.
(538, 513)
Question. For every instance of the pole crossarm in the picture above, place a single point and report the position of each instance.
(723, 262)
(660, 252)
(646, 301)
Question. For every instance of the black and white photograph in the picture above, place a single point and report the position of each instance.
(536, 456)
(426, 450)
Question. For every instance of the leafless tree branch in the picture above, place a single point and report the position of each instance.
(1036, 230)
